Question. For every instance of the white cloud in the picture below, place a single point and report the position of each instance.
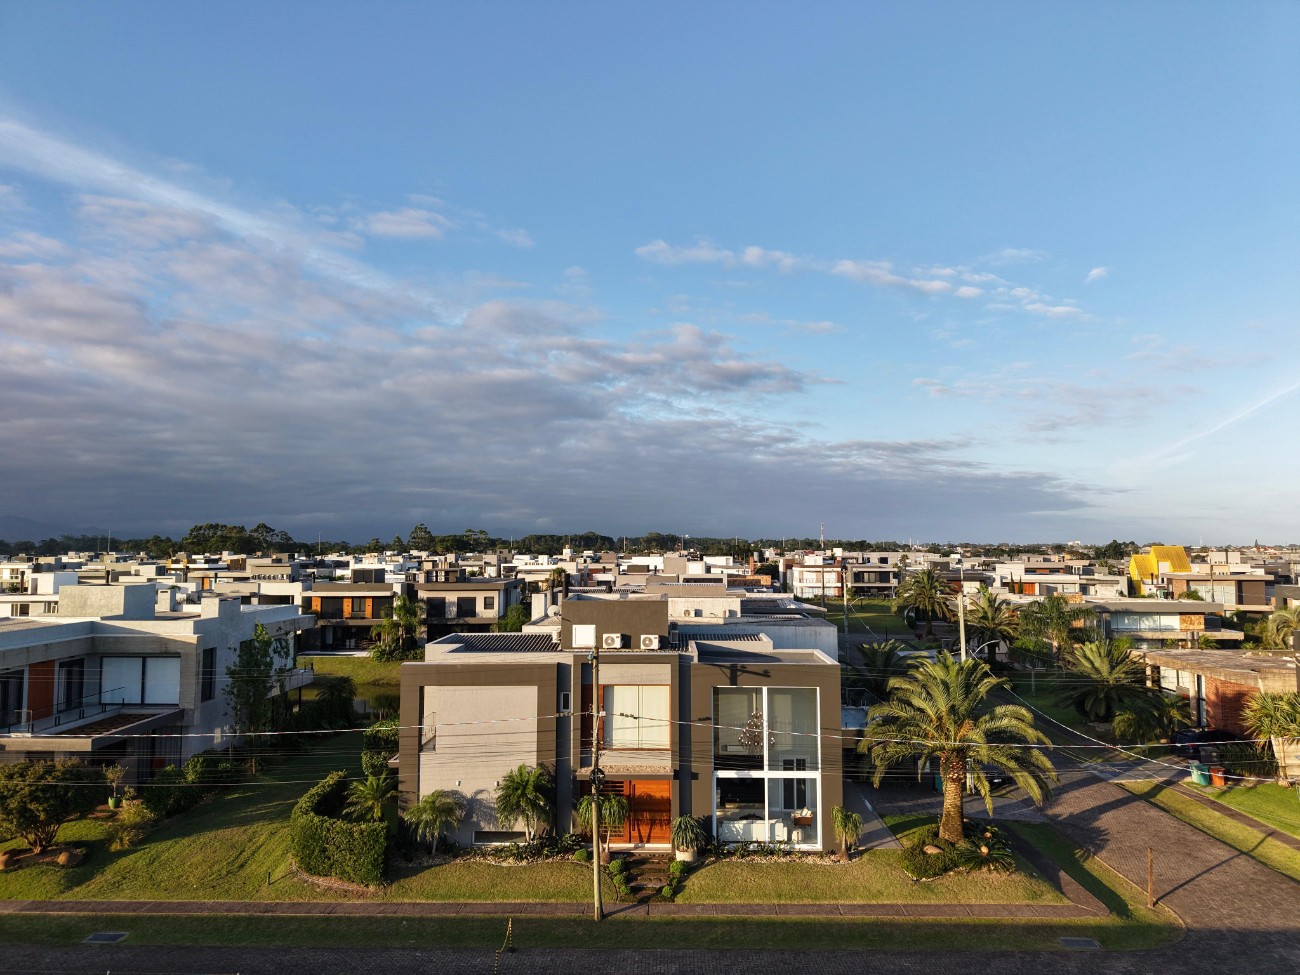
(408, 223)
(1013, 255)
(26, 244)
(968, 291)
(702, 252)
(1096, 274)
(1053, 311)
(516, 237)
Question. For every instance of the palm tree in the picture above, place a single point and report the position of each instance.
(1279, 628)
(926, 594)
(613, 814)
(939, 710)
(369, 798)
(1056, 621)
(396, 636)
(1104, 679)
(527, 794)
(880, 663)
(438, 810)
(1157, 719)
(990, 617)
(847, 827)
(1276, 717)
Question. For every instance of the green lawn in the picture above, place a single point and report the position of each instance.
(1245, 840)
(362, 670)
(1275, 805)
(864, 613)
(874, 877)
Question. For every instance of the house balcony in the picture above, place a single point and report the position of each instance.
(86, 727)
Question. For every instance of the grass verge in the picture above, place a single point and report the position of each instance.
(1243, 839)
(1271, 804)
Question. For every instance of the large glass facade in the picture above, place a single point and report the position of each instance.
(766, 759)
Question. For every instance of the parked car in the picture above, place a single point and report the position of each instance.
(1187, 743)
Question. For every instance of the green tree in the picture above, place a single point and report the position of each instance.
(397, 636)
(1056, 622)
(990, 617)
(370, 798)
(1104, 678)
(512, 622)
(847, 827)
(881, 663)
(940, 710)
(613, 814)
(36, 798)
(926, 594)
(1276, 717)
(439, 810)
(261, 666)
(525, 794)
(420, 539)
(1280, 627)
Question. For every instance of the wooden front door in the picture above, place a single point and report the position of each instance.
(650, 804)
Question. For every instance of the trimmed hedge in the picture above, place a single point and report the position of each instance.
(331, 847)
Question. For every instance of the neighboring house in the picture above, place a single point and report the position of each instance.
(1161, 622)
(874, 575)
(1219, 683)
(345, 613)
(113, 678)
(470, 605)
(816, 581)
(736, 731)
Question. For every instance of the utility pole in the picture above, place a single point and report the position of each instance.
(961, 610)
(1151, 877)
(598, 910)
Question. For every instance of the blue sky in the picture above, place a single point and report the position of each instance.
(1002, 271)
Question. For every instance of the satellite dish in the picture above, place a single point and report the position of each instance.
(553, 611)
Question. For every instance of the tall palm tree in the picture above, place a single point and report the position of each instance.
(939, 709)
(925, 593)
(397, 635)
(1276, 717)
(1056, 621)
(990, 617)
(435, 812)
(1280, 627)
(881, 662)
(369, 798)
(1104, 679)
(525, 794)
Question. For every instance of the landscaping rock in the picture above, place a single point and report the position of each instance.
(931, 849)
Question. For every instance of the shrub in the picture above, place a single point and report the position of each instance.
(1248, 761)
(212, 770)
(328, 846)
(375, 763)
(676, 869)
(582, 856)
(168, 793)
(381, 737)
(617, 866)
(688, 833)
(131, 824)
(920, 865)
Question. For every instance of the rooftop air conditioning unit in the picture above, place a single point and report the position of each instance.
(612, 641)
(650, 641)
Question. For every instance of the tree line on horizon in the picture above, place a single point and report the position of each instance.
(219, 537)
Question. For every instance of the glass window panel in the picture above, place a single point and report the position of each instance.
(792, 809)
(120, 679)
(162, 680)
(741, 811)
(737, 728)
(792, 728)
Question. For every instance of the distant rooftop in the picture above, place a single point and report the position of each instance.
(497, 642)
